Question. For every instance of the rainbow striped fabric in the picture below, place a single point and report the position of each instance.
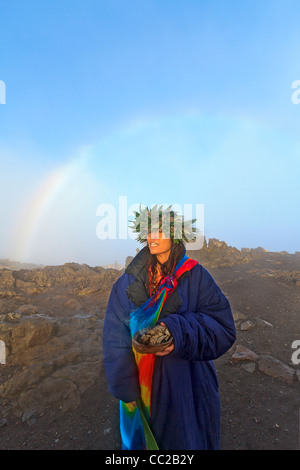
(135, 421)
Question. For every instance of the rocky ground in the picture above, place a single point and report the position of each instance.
(53, 389)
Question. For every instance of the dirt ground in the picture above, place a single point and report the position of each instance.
(259, 412)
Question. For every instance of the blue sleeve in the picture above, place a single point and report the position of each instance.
(118, 358)
(208, 332)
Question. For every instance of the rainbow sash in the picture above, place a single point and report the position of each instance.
(135, 421)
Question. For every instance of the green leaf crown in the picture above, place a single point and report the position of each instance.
(168, 221)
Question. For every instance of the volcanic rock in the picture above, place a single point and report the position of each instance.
(275, 368)
(242, 353)
(53, 349)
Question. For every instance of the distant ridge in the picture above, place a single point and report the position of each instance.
(9, 264)
(213, 251)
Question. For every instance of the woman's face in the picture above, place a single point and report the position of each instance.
(158, 244)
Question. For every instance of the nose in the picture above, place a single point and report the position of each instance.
(154, 235)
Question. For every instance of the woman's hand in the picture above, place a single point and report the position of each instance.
(167, 350)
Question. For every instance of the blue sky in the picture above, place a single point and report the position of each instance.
(176, 102)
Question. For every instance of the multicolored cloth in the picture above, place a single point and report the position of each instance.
(135, 421)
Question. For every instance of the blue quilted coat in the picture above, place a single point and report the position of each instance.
(185, 406)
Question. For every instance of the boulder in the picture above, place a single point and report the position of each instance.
(275, 368)
(262, 323)
(246, 325)
(238, 315)
(31, 332)
(249, 367)
(52, 353)
(243, 354)
(53, 361)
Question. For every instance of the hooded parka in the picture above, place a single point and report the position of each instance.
(185, 406)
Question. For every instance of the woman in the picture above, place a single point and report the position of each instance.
(179, 397)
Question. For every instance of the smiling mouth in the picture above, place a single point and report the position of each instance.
(154, 244)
